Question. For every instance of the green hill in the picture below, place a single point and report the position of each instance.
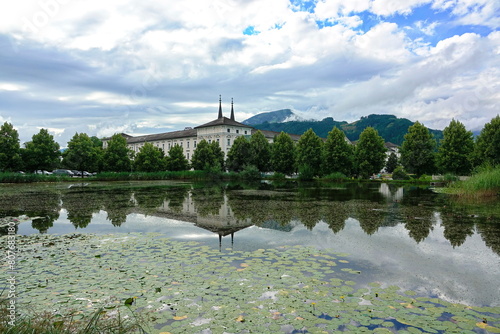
(390, 127)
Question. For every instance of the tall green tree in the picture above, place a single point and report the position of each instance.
(81, 155)
(392, 162)
(369, 152)
(239, 155)
(418, 150)
(283, 154)
(309, 149)
(42, 152)
(218, 155)
(338, 154)
(117, 156)
(176, 161)
(260, 151)
(208, 156)
(149, 159)
(487, 149)
(455, 152)
(10, 158)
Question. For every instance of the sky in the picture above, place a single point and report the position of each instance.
(141, 67)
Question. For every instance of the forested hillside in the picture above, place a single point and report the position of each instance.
(390, 127)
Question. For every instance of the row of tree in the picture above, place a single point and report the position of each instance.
(457, 153)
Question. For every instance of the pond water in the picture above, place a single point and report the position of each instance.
(409, 237)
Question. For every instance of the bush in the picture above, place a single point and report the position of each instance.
(400, 174)
(250, 172)
(306, 173)
(278, 176)
(337, 176)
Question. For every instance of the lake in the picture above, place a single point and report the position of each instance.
(412, 238)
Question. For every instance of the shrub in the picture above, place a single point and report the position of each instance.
(250, 172)
(337, 176)
(306, 173)
(400, 174)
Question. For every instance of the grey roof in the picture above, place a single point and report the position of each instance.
(272, 134)
(222, 121)
(162, 136)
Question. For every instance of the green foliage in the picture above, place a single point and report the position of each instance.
(455, 151)
(369, 152)
(338, 154)
(41, 153)
(283, 154)
(81, 154)
(239, 154)
(337, 176)
(176, 161)
(417, 151)
(306, 173)
(10, 158)
(389, 127)
(149, 159)
(250, 172)
(208, 157)
(117, 156)
(400, 174)
(309, 148)
(260, 152)
(485, 183)
(488, 144)
(392, 162)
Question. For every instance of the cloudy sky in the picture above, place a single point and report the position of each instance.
(103, 67)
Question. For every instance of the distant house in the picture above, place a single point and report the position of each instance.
(223, 130)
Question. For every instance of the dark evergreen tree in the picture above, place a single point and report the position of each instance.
(283, 154)
(81, 155)
(369, 153)
(338, 154)
(149, 159)
(10, 158)
(42, 152)
(455, 152)
(260, 152)
(488, 144)
(309, 149)
(418, 150)
(392, 162)
(239, 155)
(176, 161)
(117, 156)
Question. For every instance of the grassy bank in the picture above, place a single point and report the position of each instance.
(485, 183)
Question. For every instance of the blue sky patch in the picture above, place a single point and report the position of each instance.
(250, 31)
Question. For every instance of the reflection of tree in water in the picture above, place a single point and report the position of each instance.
(456, 227)
(490, 233)
(417, 212)
(48, 211)
(117, 204)
(43, 224)
(81, 204)
(176, 198)
(208, 200)
(335, 214)
(149, 199)
(371, 215)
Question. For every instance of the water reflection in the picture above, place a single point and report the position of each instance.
(225, 209)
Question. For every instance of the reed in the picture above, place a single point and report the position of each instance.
(482, 184)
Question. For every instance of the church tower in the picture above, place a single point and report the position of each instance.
(220, 107)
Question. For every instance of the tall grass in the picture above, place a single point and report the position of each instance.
(484, 183)
(47, 323)
(30, 178)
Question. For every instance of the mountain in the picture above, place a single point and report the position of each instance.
(277, 116)
(390, 127)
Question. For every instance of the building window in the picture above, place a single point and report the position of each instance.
(228, 142)
(188, 156)
(169, 146)
(228, 130)
(218, 141)
(194, 144)
(187, 144)
(163, 147)
(237, 131)
(245, 131)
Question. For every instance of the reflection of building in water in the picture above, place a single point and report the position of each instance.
(392, 194)
(222, 222)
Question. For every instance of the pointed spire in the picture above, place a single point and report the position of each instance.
(232, 110)
(220, 107)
